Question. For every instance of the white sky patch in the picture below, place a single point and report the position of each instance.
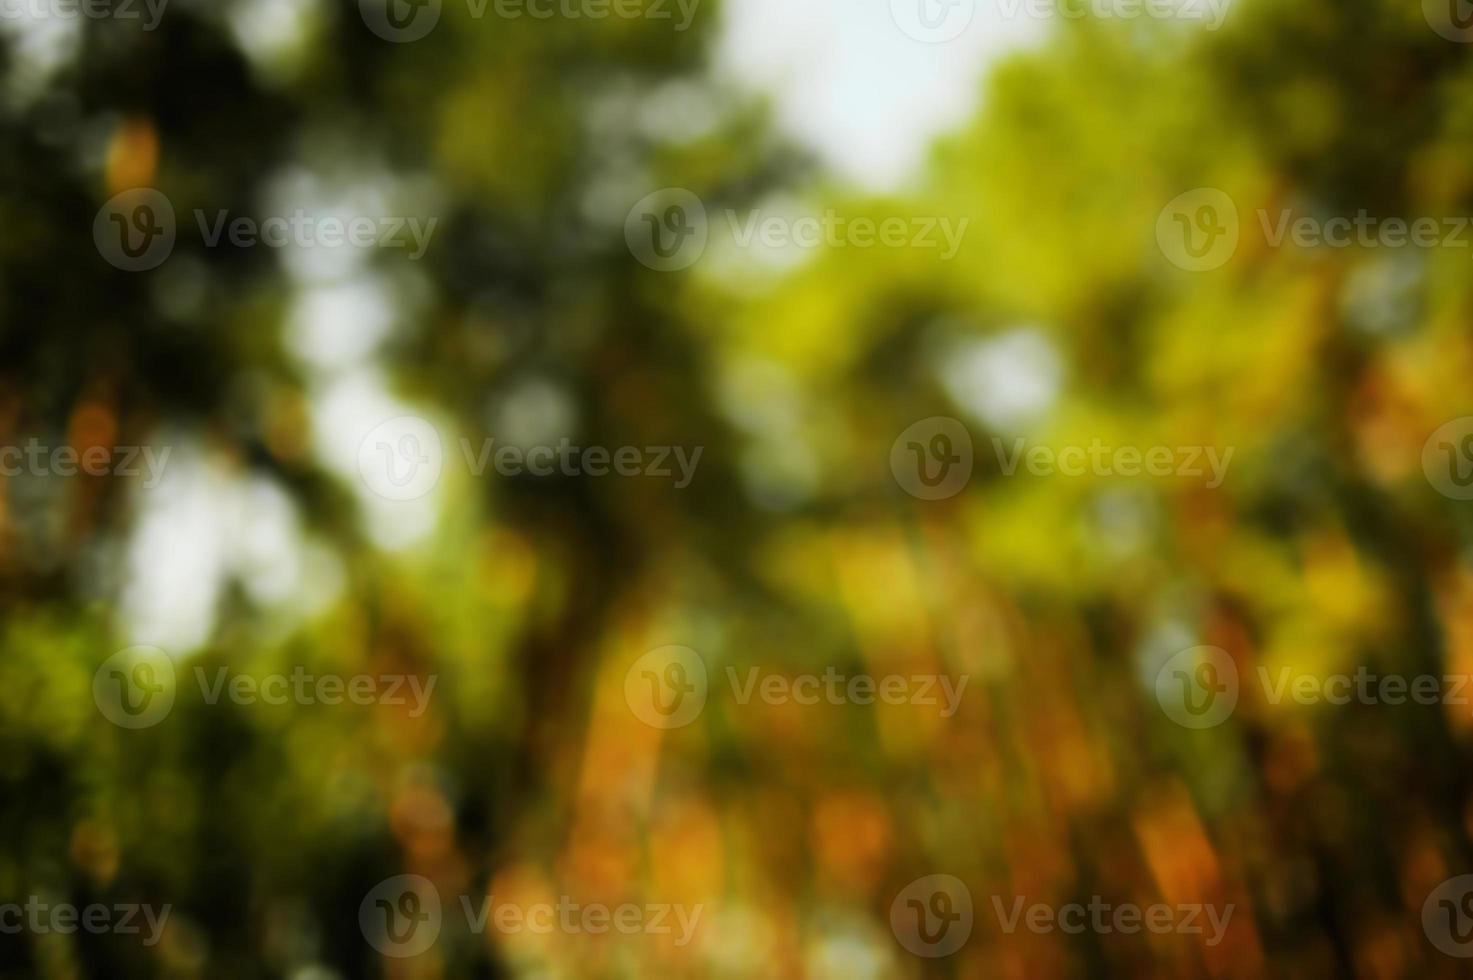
(1171, 633)
(333, 324)
(740, 244)
(203, 527)
(1124, 520)
(342, 311)
(176, 560)
(41, 45)
(847, 81)
(345, 411)
(1008, 381)
(536, 412)
(267, 554)
(404, 212)
(275, 34)
(679, 110)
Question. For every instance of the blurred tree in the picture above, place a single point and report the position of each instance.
(527, 598)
